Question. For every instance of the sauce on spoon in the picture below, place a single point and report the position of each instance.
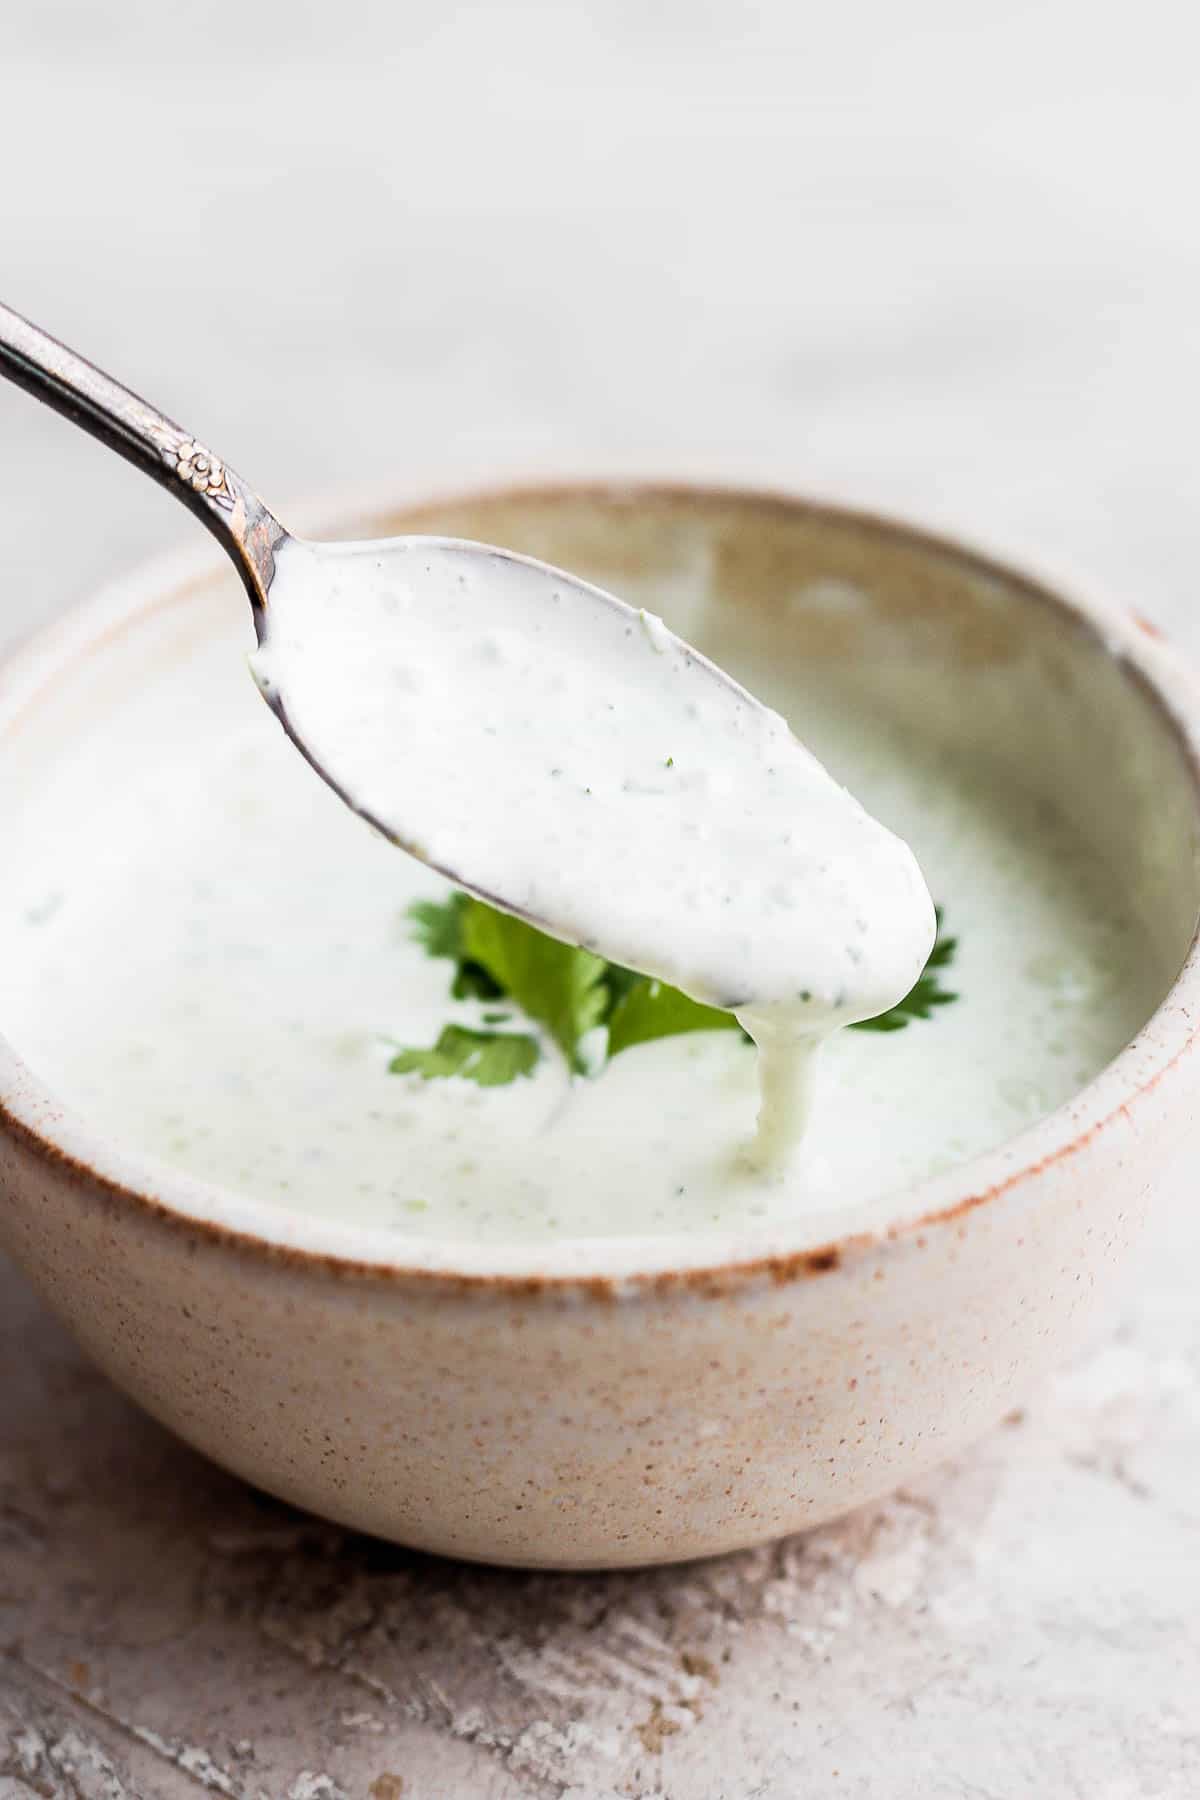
(576, 763)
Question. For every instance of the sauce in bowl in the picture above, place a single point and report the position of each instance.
(216, 965)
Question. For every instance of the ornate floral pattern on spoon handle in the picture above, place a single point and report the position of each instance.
(163, 450)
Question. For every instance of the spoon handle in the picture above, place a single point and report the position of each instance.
(219, 498)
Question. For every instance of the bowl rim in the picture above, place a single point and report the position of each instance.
(708, 1263)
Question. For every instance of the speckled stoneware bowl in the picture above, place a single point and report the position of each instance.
(635, 1400)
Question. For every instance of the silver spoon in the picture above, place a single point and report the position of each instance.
(537, 741)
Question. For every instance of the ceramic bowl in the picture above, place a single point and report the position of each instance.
(630, 1400)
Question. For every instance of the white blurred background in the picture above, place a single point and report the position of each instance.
(939, 257)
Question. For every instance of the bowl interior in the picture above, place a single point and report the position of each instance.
(1001, 676)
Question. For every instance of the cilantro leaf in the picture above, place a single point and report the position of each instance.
(496, 956)
(439, 931)
(472, 982)
(651, 1009)
(644, 1009)
(489, 1058)
(569, 992)
(438, 925)
(554, 984)
(619, 982)
(925, 993)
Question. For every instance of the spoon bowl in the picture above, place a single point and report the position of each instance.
(550, 748)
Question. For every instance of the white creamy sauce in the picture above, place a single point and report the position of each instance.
(570, 759)
(212, 963)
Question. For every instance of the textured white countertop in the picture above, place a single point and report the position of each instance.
(939, 259)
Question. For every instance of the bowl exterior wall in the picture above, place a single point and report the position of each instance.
(570, 1428)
